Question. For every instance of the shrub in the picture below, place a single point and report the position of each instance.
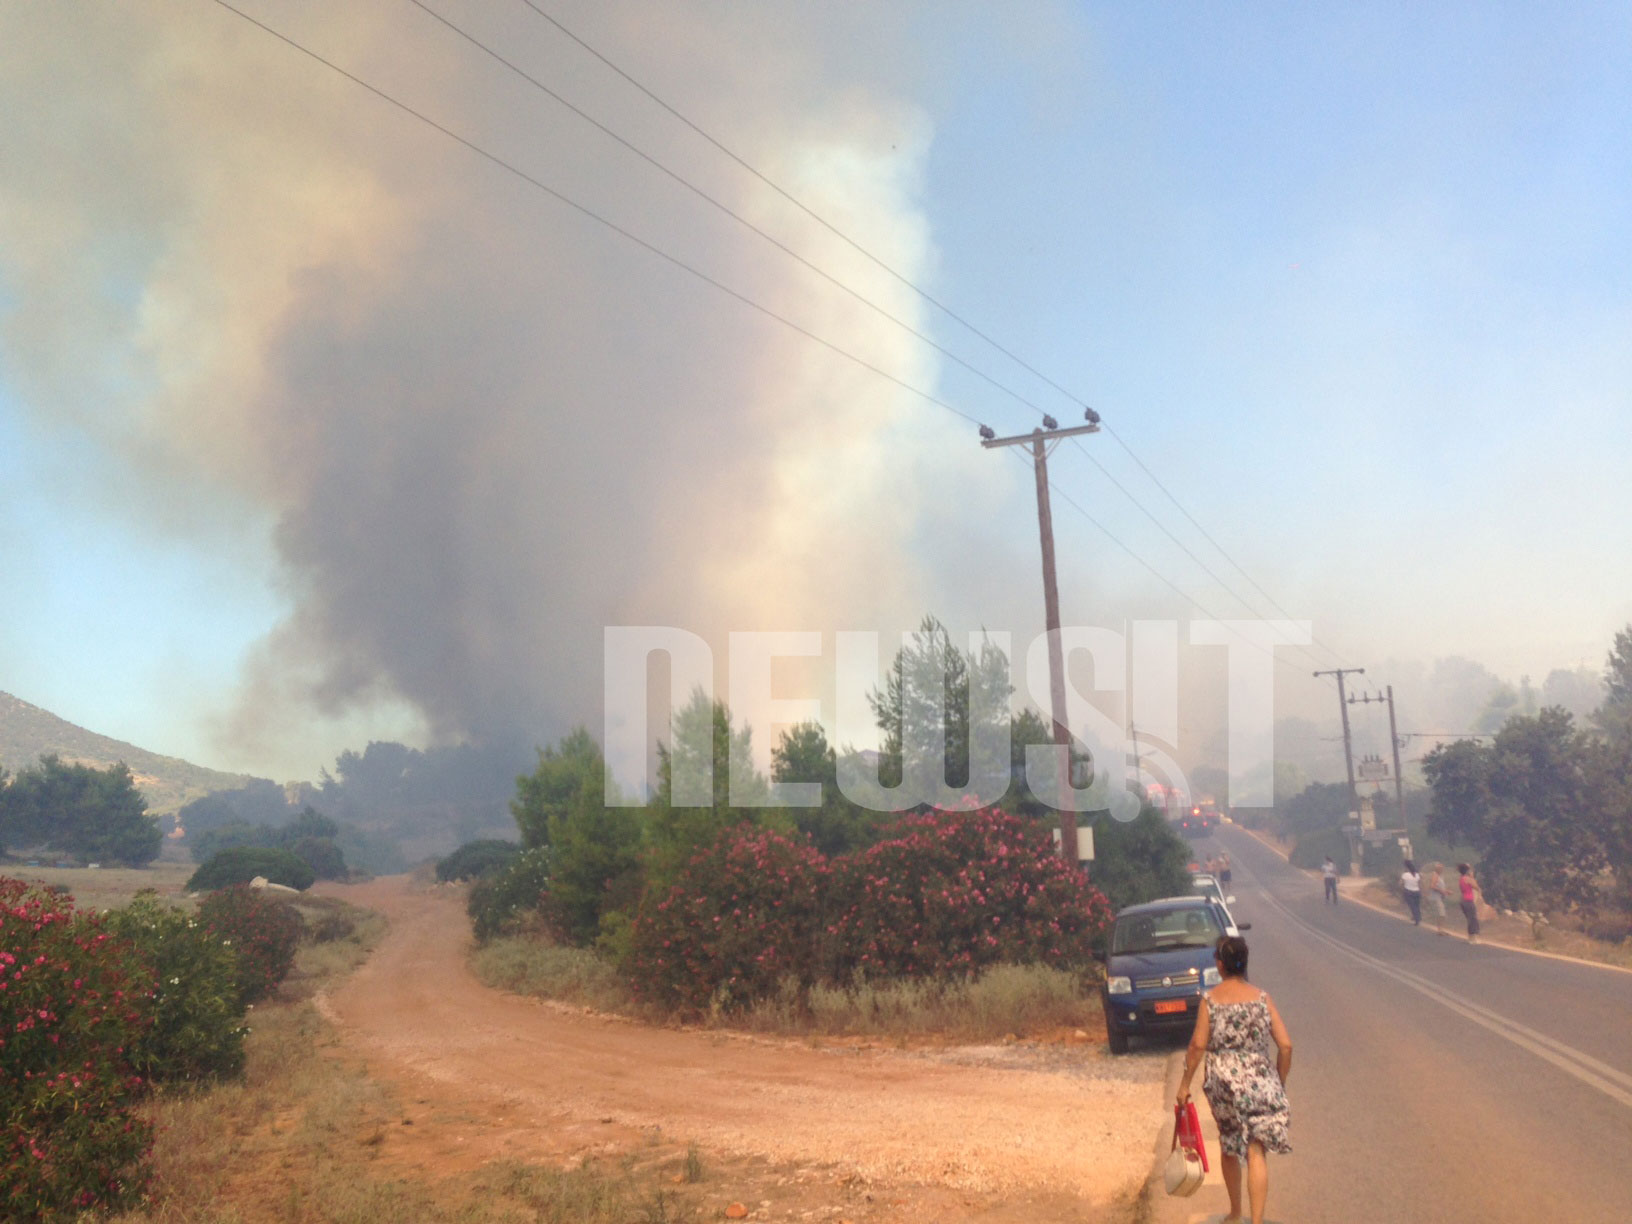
(73, 1000)
(262, 932)
(742, 915)
(476, 859)
(321, 855)
(197, 1031)
(1313, 848)
(499, 903)
(951, 892)
(242, 864)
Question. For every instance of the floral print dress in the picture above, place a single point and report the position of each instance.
(1247, 1098)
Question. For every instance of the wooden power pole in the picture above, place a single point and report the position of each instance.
(1348, 745)
(1039, 440)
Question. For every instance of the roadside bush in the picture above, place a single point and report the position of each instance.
(476, 859)
(197, 1031)
(500, 904)
(951, 892)
(742, 915)
(73, 1000)
(242, 864)
(262, 933)
(322, 856)
(1311, 849)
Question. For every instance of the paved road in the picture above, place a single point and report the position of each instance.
(1433, 1079)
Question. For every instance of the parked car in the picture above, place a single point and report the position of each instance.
(1159, 961)
(1207, 885)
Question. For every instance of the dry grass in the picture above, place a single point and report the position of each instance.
(1516, 931)
(529, 966)
(297, 1139)
(108, 887)
(1008, 999)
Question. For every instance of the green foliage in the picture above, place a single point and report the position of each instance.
(310, 837)
(1614, 716)
(76, 1000)
(243, 863)
(937, 704)
(1526, 803)
(837, 826)
(197, 1031)
(476, 859)
(1140, 859)
(570, 777)
(1312, 849)
(595, 869)
(322, 856)
(949, 893)
(96, 815)
(262, 932)
(705, 755)
(499, 904)
(1320, 805)
(743, 915)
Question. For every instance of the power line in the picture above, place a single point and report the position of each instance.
(727, 209)
(1207, 569)
(923, 293)
(586, 211)
(653, 249)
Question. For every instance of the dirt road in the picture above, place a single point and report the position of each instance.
(507, 1077)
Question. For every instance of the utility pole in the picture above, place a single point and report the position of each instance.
(1394, 739)
(1038, 439)
(1348, 746)
(1399, 778)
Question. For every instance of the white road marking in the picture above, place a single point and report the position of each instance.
(1608, 1080)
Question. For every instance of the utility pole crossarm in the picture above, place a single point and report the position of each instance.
(1027, 439)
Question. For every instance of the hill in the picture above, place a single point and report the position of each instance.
(27, 733)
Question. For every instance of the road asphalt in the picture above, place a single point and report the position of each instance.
(1432, 1078)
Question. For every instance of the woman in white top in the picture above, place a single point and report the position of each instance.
(1411, 884)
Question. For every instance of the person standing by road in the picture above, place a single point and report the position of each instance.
(1224, 872)
(1328, 872)
(1437, 892)
(1411, 886)
(1234, 1028)
(1472, 894)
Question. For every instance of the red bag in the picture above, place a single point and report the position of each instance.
(1187, 1131)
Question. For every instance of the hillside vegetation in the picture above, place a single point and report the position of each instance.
(27, 733)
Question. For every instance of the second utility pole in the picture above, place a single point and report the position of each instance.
(1038, 440)
(1348, 748)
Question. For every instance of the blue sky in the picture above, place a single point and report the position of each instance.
(1352, 281)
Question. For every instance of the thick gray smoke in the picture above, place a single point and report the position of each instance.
(471, 426)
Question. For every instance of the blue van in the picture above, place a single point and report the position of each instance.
(1159, 962)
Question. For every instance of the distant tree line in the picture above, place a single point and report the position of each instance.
(588, 863)
(86, 814)
(392, 805)
(1547, 803)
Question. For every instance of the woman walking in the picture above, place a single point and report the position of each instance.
(1437, 892)
(1248, 1096)
(1472, 894)
(1411, 886)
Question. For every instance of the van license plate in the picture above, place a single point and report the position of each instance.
(1169, 1005)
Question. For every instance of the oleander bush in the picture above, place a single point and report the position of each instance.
(198, 1031)
(241, 864)
(948, 893)
(74, 1001)
(262, 932)
(743, 916)
(504, 902)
